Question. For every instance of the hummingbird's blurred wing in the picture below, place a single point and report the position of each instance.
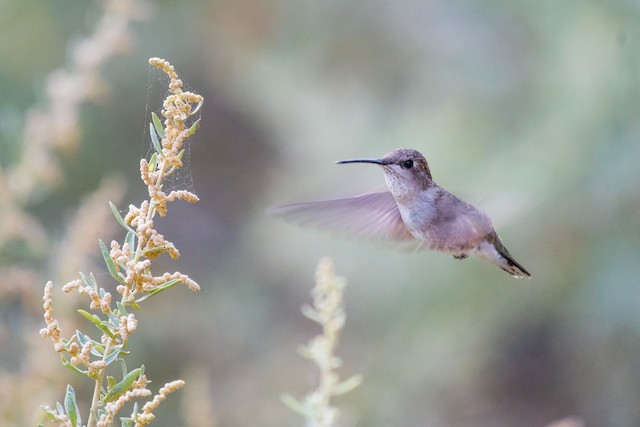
(371, 216)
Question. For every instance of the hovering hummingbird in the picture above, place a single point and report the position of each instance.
(415, 211)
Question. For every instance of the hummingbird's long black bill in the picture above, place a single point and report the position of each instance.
(374, 161)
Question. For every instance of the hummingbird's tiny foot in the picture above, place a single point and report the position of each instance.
(461, 256)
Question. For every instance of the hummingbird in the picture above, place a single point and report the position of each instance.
(415, 212)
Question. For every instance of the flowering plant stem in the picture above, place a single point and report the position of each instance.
(130, 265)
(328, 311)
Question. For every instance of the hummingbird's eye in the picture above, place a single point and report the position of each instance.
(407, 164)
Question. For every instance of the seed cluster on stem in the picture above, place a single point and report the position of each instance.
(328, 311)
(130, 264)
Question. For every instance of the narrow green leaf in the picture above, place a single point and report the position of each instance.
(347, 385)
(98, 322)
(59, 408)
(48, 412)
(124, 385)
(122, 311)
(90, 317)
(122, 266)
(71, 407)
(171, 170)
(71, 366)
(106, 327)
(119, 218)
(194, 127)
(142, 298)
(159, 288)
(311, 313)
(110, 264)
(111, 357)
(110, 382)
(85, 280)
(153, 162)
(181, 154)
(154, 140)
(114, 321)
(158, 125)
(130, 239)
(82, 338)
(295, 405)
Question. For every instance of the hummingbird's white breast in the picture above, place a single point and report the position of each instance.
(444, 222)
(419, 212)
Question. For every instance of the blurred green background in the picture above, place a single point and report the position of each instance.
(529, 110)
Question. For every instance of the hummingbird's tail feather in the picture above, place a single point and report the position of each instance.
(514, 268)
(502, 258)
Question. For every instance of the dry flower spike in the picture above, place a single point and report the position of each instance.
(129, 263)
(328, 311)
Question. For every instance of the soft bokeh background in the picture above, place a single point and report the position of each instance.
(530, 110)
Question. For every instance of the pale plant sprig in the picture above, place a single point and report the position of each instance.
(50, 137)
(129, 264)
(328, 311)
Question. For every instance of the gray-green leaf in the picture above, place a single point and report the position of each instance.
(154, 140)
(111, 266)
(158, 125)
(124, 385)
(71, 407)
(119, 218)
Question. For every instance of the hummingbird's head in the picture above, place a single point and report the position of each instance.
(405, 170)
